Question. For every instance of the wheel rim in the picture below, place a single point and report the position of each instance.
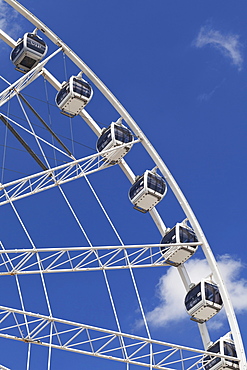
(158, 162)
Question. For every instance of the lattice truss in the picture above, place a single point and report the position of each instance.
(25, 80)
(56, 176)
(85, 339)
(51, 332)
(75, 168)
(50, 260)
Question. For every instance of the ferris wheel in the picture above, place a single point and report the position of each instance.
(70, 273)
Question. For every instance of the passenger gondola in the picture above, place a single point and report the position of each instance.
(224, 346)
(112, 137)
(28, 52)
(74, 95)
(180, 233)
(203, 301)
(148, 190)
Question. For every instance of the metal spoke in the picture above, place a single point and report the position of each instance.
(56, 333)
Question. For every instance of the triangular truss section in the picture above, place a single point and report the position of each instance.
(84, 339)
(53, 177)
(25, 80)
(51, 260)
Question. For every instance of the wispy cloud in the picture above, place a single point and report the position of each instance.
(228, 44)
(3, 15)
(208, 95)
(8, 19)
(171, 300)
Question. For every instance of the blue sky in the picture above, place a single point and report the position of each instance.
(179, 68)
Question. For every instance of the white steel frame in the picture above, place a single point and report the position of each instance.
(23, 262)
(75, 337)
(159, 163)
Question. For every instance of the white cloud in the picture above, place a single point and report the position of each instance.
(3, 14)
(237, 287)
(171, 292)
(228, 45)
(8, 19)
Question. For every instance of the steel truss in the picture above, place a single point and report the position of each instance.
(56, 176)
(51, 260)
(25, 80)
(43, 330)
(80, 338)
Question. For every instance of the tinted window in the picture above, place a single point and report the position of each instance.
(169, 238)
(229, 349)
(156, 183)
(209, 364)
(28, 62)
(81, 87)
(16, 51)
(104, 140)
(193, 297)
(187, 236)
(62, 94)
(215, 348)
(212, 293)
(122, 134)
(136, 188)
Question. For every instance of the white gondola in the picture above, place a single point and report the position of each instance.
(180, 233)
(74, 95)
(28, 52)
(203, 301)
(224, 346)
(112, 137)
(148, 190)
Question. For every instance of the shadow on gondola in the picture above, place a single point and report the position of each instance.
(224, 346)
(112, 137)
(203, 301)
(147, 191)
(74, 95)
(180, 233)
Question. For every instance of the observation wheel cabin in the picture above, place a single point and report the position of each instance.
(28, 52)
(147, 191)
(203, 301)
(224, 346)
(180, 233)
(74, 95)
(112, 137)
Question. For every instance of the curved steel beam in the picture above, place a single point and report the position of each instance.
(161, 165)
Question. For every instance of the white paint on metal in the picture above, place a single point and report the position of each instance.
(160, 164)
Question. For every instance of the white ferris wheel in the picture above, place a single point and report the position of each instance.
(55, 190)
